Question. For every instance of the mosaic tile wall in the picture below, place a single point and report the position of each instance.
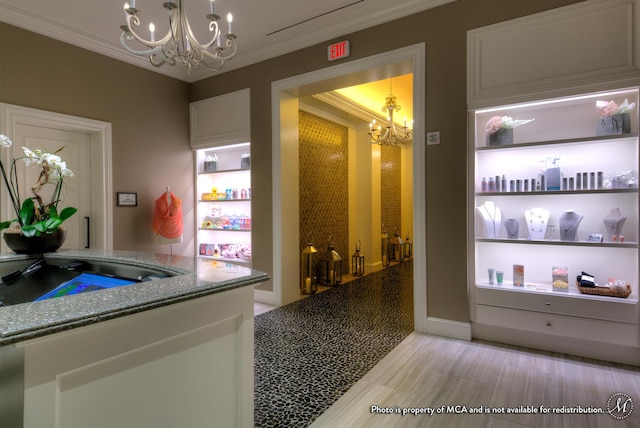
(324, 185)
(390, 177)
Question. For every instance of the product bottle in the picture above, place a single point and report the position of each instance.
(553, 173)
(492, 185)
(484, 184)
(503, 186)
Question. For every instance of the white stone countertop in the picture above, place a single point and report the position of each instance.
(194, 277)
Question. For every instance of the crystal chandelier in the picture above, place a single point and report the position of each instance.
(179, 45)
(390, 135)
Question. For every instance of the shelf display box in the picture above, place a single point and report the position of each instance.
(501, 137)
(553, 178)
(560, 279)
(615, 124)
(210, 166)
(245, 161)
(518, 275)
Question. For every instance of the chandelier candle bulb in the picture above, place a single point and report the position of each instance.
(230, 19)
(212, 1)
(152, 28)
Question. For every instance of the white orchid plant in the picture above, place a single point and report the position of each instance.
(497, 122)
(34, 216)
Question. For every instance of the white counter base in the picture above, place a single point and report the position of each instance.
(189, 364)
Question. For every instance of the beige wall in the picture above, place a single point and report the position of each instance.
(149, 114)
(150, 153)
(444, 31)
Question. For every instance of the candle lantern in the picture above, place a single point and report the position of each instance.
(408, 246)
(357, 261)
(309, 269)
(385, 248)
(397, 248)
(331, 266)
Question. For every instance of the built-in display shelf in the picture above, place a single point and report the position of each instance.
(559, 192)
(557, 242)
(223, 171)
(600, 175)
(540, 288)
(223, 200)
(224, 230)
(581, 141)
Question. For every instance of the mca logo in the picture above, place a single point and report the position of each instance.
(619, 405)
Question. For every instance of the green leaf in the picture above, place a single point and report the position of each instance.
(26, 213)
(52, 224)
(67, 212)
(5, 224)
(29, 230)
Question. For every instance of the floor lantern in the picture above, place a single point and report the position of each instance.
(397, 248)
(332, 266)
(357, 261)
(385, 247)
(309, 269)
(408, 246)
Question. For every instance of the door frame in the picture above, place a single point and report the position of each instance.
(101, 183)
(284, 99)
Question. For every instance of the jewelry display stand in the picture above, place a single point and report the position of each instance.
(613, 223)
(569, 222)
(537, 222)
(513, 228)
(492, 219)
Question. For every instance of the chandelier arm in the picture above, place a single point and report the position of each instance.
(218, 55)
(151, 51)
(214, 28)
(132, 22)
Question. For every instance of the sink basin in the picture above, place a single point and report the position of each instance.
(39, 279)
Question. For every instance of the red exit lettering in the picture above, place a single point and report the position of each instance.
(338, 50)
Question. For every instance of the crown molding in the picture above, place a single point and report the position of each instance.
(362, 16)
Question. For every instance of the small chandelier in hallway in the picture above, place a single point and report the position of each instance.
(179, 45)
(390, 134)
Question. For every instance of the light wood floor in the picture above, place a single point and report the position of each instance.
(429, 371)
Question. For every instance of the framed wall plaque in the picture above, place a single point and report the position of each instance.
(127, 199)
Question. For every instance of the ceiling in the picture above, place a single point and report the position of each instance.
(265, 29)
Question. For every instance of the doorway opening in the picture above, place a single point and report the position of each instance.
(353, 192)
(286, 96)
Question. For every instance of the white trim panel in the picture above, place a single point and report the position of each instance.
(586, 43)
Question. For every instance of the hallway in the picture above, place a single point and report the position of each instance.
(310, 352)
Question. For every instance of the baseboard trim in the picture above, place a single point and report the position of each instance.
(263, 296)
(448, 328)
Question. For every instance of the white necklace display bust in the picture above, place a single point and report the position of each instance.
(537, 221)
(569, 222)
(491, 219)
(512, 227)
(613, 223)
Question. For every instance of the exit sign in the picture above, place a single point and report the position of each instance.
(338, 50)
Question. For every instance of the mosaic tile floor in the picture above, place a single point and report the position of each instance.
(309, 353)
